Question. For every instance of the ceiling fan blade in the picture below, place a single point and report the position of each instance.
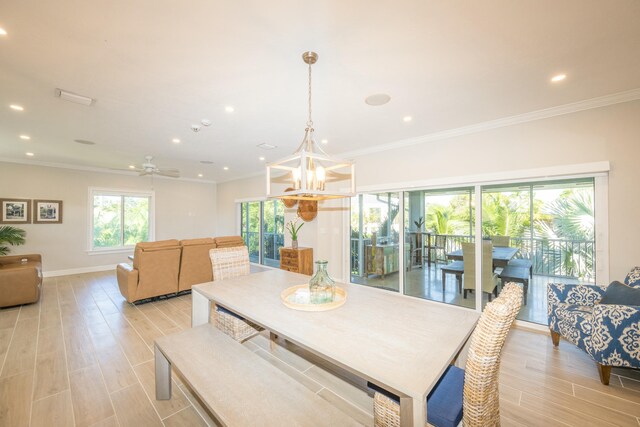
(169, 174)
(127, 170)
(167, 170)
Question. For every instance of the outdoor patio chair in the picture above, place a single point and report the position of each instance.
(502, 241)
(439, 246)
(470, 395)
(608, 332)
(489, 279)
(227, 263)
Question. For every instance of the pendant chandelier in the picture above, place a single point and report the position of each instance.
(304, 175)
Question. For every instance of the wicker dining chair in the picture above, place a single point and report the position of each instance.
(227, 263)
(470, 395)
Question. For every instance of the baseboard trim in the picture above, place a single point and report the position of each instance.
(92, 269)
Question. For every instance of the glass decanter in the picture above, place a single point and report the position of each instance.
(322, 288)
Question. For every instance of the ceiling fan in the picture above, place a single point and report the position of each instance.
(149, 168)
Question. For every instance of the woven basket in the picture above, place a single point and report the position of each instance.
(481, 405)
(227, 263)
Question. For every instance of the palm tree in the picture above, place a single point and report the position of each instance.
(569, 218)
(11, 235)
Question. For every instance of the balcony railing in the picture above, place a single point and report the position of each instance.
(550, 257)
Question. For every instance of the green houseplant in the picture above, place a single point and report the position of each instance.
(293, 228)
(12, 236)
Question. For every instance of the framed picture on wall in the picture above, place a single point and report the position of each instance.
(15, 211)
(47, 211)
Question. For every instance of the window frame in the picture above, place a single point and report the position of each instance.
(94, 191)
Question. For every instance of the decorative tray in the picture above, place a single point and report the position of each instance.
(297, 298)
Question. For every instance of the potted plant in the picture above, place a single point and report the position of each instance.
(293, 228)
(12, 236)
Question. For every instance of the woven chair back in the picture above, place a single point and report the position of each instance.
(229, 262)
(481, 400)
(469, 260)
(502, 241)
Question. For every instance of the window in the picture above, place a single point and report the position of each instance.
(119, 219)
(262, 229)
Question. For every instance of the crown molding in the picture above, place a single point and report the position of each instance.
(95, 169)
(560, 110)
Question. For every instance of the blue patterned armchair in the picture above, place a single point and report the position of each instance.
(609, 333)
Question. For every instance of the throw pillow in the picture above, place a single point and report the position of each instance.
(633, 278)
(618, 293)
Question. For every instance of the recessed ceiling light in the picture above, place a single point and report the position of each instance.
(407, 118)
(16, 107)
(266, 146)
(205, 122)
(558, 78)
(200, 175)
(226, 168)
(206, 162)
(229, 109)
(84, 142)
(3, 32)
(132, 167)
(175, 141)
(30, 154)
(261, 158)
(25, 137)
(377, 99)
(325, 141)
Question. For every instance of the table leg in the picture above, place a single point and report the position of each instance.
(163, 376)
(413, 412)
(200, 309)
(273, 343)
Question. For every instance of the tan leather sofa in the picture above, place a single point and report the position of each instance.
(169, 266)
(195, 264)
(20, 279)
(154, 271)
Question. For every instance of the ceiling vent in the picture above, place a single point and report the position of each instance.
(74, 97)
(266, 146)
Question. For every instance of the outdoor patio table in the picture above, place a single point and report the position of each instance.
(501, 255)
(400, 343)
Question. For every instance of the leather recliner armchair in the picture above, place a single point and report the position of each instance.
(195, 265)
(20, 279)
(154, 272)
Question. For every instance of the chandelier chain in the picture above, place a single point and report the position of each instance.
(309, 121)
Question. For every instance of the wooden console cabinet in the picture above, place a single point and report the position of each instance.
(297, 260)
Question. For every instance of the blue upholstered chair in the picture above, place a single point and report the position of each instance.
(469, 394)
(609, 333)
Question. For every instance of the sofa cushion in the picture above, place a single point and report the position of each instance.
(621, 294)
(194, 242)
(633, 278)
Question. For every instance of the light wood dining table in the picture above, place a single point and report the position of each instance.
(402, 344)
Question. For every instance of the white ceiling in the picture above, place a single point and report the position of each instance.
(156, 67)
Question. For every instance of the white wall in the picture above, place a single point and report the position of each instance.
(604, 134)
(183, 210)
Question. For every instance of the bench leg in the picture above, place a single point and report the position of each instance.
(272, 341)
(444, 277)
(163, 376)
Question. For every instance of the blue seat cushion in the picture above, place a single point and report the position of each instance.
(231, 313)
(444, 403)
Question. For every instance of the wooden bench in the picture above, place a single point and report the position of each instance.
(518, 275)
(455, 267)
(237, 386)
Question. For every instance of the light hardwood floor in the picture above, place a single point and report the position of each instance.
(82, 357)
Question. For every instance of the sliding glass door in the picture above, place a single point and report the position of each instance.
(532, 234)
